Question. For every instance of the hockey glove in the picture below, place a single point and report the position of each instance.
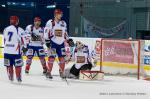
(70, 42)
(24, 49)
(48, 43)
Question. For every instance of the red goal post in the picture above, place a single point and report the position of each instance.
(120, 56)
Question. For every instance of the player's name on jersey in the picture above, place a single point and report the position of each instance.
(10, 45)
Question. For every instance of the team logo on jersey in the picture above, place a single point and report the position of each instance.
(10, 45)
(58, 32)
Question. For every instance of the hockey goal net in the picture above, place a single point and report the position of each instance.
(121, 57)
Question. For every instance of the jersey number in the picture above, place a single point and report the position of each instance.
(10, 35)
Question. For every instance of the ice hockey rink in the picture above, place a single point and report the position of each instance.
(36, 86)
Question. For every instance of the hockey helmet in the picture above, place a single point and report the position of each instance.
(37, 19)
(58, 11)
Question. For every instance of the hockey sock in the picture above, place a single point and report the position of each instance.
(61, 64)
(50, 64)
(10, 73)
(43, 62)
(28, 63)
(18, 72)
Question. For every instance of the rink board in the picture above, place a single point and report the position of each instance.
(91, 43)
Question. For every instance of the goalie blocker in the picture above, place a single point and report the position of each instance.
(91, 75)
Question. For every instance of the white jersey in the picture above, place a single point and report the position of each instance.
(96, 55)
(56, 31)
(38, 32)
(81, 57)
(13, 39)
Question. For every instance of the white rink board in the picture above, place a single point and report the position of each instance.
(113, 70)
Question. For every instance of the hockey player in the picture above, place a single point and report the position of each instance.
(14, 41)
(82, 60)
(56, 35)
(35, 34)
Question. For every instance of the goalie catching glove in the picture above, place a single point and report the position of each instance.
(70, 42)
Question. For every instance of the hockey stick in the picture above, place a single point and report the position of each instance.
(65, 78)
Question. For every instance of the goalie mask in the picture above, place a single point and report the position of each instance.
(79, 45)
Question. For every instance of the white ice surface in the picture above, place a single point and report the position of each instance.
(36, 86)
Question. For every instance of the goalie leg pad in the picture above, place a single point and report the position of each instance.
(86, 67)
(74, 70)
